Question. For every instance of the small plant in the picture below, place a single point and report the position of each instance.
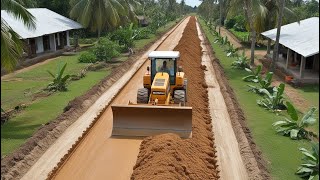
(295, 127)
(59, 81)
(254, 75)
(222, 40)
(309, 169)
(263, 83)
(273, 101)
(87, 57)
(241, 62)
(231, 51)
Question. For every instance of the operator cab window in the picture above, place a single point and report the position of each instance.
(164, 65)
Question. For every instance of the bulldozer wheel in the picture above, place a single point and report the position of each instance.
(185, 85)
(143, 96)
(180, 97)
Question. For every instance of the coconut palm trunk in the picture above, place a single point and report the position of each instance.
(249, 19)
(220, 14)
(275, 56)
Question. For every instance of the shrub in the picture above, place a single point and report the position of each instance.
(240, 23)
(142, 33)
(87, 57)
(294, 127)
(59, 82)
(273, 101)
(229, 23)
(105, 49)
(124, 35)
(309, 169)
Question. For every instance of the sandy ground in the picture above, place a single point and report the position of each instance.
(230, 161)
(97, 147)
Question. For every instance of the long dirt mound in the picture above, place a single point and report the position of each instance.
(169, 157)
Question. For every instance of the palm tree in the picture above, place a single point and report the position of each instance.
(102, 14)
(276, 46)
(11, 45)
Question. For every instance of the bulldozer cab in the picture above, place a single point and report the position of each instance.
(166, 62)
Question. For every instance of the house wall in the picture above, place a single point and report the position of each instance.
(39, 44)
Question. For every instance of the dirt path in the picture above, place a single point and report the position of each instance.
(96, 147)
(167, 156)
(229, 158)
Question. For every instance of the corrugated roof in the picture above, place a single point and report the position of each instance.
(47, 22)
(302, 38)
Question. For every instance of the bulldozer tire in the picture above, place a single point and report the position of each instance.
(180, 97)
(185, 85)
(143, 96)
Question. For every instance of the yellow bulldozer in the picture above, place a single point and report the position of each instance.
(161, 103)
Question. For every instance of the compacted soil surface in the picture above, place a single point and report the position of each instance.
(168, 156)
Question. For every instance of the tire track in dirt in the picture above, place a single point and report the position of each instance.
(168, 156)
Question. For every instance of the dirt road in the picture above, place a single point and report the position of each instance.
(229, 158)
(98, 156)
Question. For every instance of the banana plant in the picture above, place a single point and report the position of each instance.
(309, 169)
(254, 75)
(59, 82)
(241, 62)
(273, 101)
(232, 51)
(218, 39)
(225, 41)
(263, 83)
(295, 127)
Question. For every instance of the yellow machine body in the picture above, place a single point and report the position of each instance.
(160, 106)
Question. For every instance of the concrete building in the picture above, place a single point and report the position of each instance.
(51, 33)
(300, 49)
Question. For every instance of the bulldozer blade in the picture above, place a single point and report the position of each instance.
(138, 120)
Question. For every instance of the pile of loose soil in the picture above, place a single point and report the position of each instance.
(168, 156)
(16, 164)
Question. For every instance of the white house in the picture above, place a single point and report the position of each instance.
(301, 41)
(50, 34)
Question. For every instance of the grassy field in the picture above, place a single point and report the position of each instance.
(281, 153)
(21, 88)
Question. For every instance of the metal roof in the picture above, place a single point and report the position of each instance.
(47, 22)
(302, 38)
(164, 54)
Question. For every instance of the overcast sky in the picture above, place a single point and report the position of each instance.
(191, 3)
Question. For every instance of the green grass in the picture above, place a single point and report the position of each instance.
(19, 128)
(20, 89)
(281, 152)
(311, 94)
